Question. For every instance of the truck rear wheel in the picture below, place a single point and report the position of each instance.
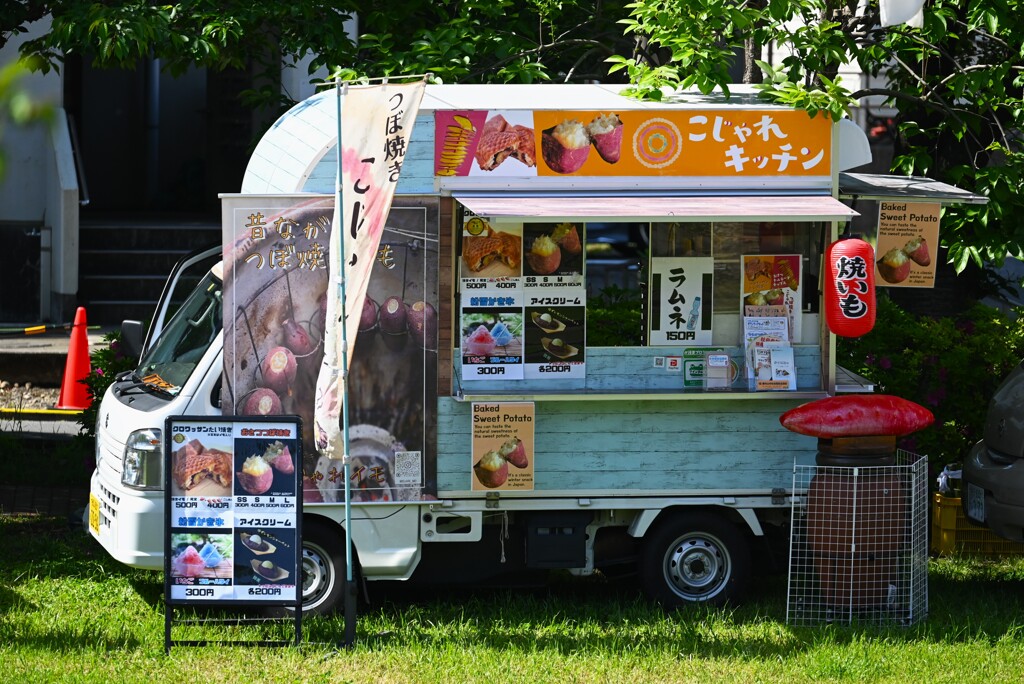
(323, 569)
(694, 558)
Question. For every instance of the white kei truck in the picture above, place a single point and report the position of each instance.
(554, 368)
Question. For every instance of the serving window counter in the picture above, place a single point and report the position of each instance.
(681, 304)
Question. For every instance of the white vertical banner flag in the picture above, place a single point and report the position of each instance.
(376, 123)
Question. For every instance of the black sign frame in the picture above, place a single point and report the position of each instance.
(272, 439)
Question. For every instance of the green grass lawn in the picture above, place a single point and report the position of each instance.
(70, 613)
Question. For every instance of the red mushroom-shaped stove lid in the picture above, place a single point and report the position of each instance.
(857, 415)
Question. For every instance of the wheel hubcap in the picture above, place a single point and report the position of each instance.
(697, 567)
(316, 575)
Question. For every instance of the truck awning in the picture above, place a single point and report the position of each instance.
(874, 186)
(618, 208)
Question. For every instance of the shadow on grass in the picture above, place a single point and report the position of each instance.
(983, 602)
(87, 637)
(12, 602)
(568, 617)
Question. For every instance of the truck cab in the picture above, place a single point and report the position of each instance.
(179, 373)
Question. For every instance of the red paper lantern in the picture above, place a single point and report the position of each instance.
(850, 288)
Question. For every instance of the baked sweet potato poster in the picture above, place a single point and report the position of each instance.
(908, 235)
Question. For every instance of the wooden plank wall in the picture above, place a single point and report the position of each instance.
(417, 176)
(616, 369)
(642, 447)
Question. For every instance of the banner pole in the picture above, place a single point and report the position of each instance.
(350, 593)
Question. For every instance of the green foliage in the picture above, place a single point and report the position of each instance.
(218, 35)
(69, 462)
(955, 82)
(682, 44)
(107, 362)
(486, 41)
(694, 44)
(952, 366)
(985, 233)
(831, 99)
(614, 318)
(17, 107)
(471, 41)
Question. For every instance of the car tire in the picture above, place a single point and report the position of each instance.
(692, 558)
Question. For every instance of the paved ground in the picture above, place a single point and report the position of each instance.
(31, 373)
(26, 423)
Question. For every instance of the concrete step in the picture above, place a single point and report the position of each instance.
(107, 287)
(147, 235)
(124, 262)
(40, 359)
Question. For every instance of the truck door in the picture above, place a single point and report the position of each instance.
(180, 283)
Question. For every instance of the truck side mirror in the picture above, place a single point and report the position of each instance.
(132, 333)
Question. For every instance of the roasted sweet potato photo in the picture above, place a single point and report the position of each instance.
(544, 256)
(565, 147)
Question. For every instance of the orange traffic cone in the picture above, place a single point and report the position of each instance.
(73, 394)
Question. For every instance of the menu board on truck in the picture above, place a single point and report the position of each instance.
(276, 285)
(523, 301)
(233, 516)
(745, 142)
(492, 335)
(556, 301)
(773, 280)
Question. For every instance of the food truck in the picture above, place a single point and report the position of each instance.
(490, 435)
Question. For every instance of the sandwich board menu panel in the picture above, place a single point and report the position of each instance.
(234, 510)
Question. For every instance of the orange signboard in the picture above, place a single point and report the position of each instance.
(713, 142)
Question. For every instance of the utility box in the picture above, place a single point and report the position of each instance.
(557, 539)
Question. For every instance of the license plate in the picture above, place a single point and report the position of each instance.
(975, 502)
(94, 514)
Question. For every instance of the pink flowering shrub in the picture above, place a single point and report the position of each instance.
(107, 361)
(952, 366)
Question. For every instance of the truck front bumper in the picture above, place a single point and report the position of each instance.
(1001, 488)
(129, 524)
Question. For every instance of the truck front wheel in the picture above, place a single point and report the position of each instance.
(694, 558)
(323, 569)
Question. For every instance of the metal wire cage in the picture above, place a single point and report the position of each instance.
(859, 543)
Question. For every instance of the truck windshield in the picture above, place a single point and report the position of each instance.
(170, 361)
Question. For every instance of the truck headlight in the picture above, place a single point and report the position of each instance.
(97, 449)
(143, 460)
